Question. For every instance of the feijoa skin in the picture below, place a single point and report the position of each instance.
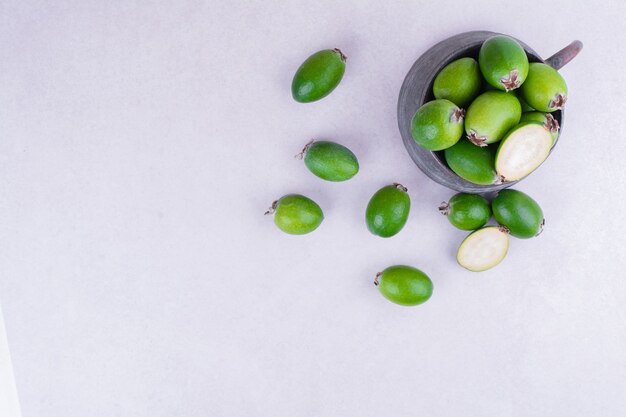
(525, 106)
(546, 119)
(522, 150)
(490, 116)
(459, 82)
(388, 210)
(318, 75)
(484, 248)
(466, 211)
(473, 163)
(296, 214)
(545, 89)
(519, 213)
(330, 161)
(503, 62)
(437, 125)
(404, 285)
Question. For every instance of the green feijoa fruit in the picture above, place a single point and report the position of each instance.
(483, 249)
(296, 214)
(522, 150)
(546, 119)
(459, 82)
(329, 160)
(318, 75)
(503, 62)
(466, 211)
(437, 125)
(544, 89)
(525, 106)
(388, 210)
(404, 285)
(473, 163)
(490, 116)
(519, 213)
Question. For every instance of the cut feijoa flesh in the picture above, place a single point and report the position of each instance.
(522, 150)
(483, 249)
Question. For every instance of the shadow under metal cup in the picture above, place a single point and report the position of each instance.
(417, 89)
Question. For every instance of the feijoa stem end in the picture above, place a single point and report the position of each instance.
(511, 82)
(457, 115)
(341, 54)
(377, 278)
(558, 102)
(304, 150)
(476, 139)
(541, 227)
(551, 123)
(400, 187)
(444, 208)
(504, 229)
(272, 208)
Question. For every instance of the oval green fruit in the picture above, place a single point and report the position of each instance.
(404, 285)
(522, 150)
(519, 213)
(483, 249)
(437, 125)
(459, 82)
(490, 116)
(545, 89)
(388, 210)
(503, 62)
(296, 214)
(473, 163)
(546, 119)
(466, 211)
(330, 161)
(525, 106)
(318, 75)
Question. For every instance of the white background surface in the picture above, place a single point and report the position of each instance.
(141, 143)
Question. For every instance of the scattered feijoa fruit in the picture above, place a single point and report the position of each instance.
(522, 150)
(437, 125)
(545, 89)
(466, 211)
(519, 213)
(318, 75)
(404, 285)
(546, 119)
(296, 214)
(503, 62)
(472, 163)
(388, 210)
(490, 116)
(484, 248)
(330, 161)
(459, 82)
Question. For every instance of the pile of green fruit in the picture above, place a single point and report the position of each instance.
(503, 105)
(493, 116)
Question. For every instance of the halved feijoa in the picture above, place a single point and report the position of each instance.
(296, 214)
(466, 211)
(473, 163)
(318, 75)
(483, 249)
(522, 150)
(546, 119)
(459, 82)
(330, 161)
(490, 116)
(519, 213)
(503, 62)
(388, 210)
(544, 89)
(437, 125)
(404, 285)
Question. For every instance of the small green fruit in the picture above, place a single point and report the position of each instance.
(318, 75)
(404, 285)
(519, 213)
(473, 163)
(296, 214)
(437, 125)
(330, 161)
(522, 150)
(388, 210)
(545, 89)
(490, 116)
(459, 82)
(466, 211)
(546, 119)
(503, 62)
(483, 249)
(525, 106)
